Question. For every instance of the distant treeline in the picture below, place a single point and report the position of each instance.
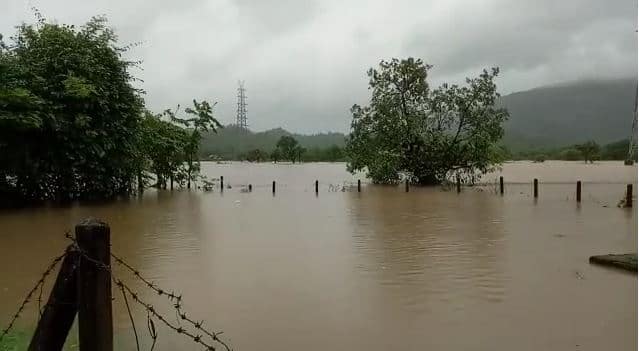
(330, 154)
(590, 151)
(233, 143)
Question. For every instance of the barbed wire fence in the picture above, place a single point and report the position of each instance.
(182, 323)
(38, 285)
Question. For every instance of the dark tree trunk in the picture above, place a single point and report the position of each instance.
(427, 180)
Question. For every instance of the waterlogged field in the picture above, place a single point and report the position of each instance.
(377, 270)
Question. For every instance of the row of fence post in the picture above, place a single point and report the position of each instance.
(250, 186)
(627, 200)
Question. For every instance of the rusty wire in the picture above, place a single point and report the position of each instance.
(151, 327)
(40, 309)
(128, 309)
(27, 299)
(177, 305)
(152, 312)
(171, 296)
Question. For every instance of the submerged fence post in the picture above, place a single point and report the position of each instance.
(406, 184)
(250, 188)
(273, 187)
(535, 188)
(579, 191)
(95, 322)
(316, 187)
(359, 186)
(628, 196)
(501, 185)
(458, 185)
(60, 310)
(221, 183)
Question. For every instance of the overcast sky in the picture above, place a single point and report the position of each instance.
(305, 62)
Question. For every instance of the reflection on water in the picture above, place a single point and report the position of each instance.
(382, 269)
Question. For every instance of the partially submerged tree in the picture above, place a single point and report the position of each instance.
(200, 119)
(69, 115)
(276, 155)
(163, 144)
(72, 126)
(288, 148)
(589, 151)
(427, 135)
(256, 155)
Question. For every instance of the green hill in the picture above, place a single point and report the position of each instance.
(548, 117)
(570, 113)
(231, 142)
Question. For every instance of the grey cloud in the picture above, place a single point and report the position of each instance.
(563, 40)
(305, 62)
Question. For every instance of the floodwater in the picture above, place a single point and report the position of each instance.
(378, 270)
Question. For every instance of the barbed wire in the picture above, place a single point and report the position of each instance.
(174, 298)
(151, 311)
(27, 299)
(177, 299)
(151, 327)
(128, 309)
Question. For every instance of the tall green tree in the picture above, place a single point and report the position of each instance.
(163, 145)
(589, 151)
(256, 155)
(69, 115)
(289, 148)
(199, 119)
(425, 134)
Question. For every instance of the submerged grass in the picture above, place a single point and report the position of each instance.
(19, 341)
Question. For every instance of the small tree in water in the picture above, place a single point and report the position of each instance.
(289, 148)
(589, 151)
(429, 135)
(200, 120)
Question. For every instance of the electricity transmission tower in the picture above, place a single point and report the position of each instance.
(241, 106)
(632, 141)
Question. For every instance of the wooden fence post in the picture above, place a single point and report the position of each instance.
(60, 310)
(535, 188)
(221, 183)
(501, 185)
(273, 187)
(95, 321)
(359, 186)
(458, 185)
(579, 191)
(628, 196)
(250, 188)
(406, 184)
(316, 187)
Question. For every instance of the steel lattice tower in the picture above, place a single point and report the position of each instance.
(632, 141)
(241, 106)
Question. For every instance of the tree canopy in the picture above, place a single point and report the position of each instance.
(68, 113)
(425, 134)
(200, 119)
(73, 126)
(288, 148)
(589, 151)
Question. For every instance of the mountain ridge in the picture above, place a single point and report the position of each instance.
(543, 117)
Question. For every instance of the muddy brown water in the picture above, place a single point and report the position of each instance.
(376, 270)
